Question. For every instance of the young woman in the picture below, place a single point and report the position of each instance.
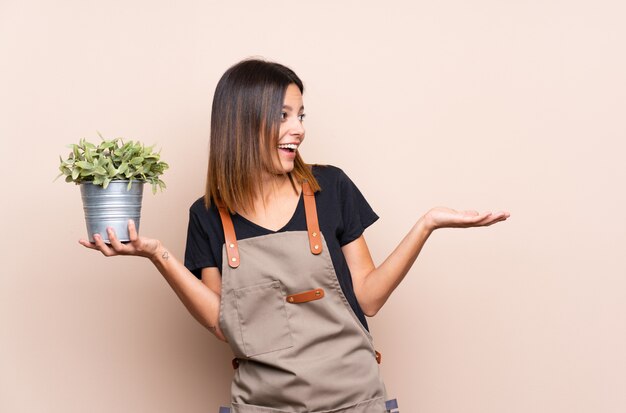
(276, 263)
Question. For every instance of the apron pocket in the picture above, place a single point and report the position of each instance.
(263, 318)
(376, 405)
(248, 408)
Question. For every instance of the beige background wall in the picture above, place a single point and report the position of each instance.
(486, 105)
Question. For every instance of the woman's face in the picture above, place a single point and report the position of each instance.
(291, 132)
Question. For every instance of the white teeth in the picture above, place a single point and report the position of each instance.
(292, 146)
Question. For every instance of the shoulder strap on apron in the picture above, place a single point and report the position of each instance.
(229, 235)
(312, 225)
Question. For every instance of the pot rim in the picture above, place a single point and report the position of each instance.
(115, 180)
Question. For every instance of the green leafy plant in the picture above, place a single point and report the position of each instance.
(112, 160)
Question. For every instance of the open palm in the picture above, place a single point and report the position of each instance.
(442, 217)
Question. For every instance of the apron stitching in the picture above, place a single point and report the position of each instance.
(240, 323)
(333, 277)
(249, 348)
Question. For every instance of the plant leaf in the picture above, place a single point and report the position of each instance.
(137, 160)
(84, 164)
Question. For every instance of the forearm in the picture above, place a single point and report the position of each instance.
(378, 285)
(200, 301)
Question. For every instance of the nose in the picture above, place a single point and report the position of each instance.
(296, 127)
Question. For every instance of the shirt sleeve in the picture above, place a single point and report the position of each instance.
(198, 252)
(356, 212)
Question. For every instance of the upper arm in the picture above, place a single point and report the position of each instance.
(212, 278)
(359, 260)
(201, 248)
(356, 213)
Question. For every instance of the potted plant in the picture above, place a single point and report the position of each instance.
(111, 176)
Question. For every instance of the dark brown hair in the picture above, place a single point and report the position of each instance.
(245, 124)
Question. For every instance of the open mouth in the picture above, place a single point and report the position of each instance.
(288, 147)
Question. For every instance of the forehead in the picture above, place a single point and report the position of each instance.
(293, 97)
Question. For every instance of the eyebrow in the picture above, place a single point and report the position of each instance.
(290, 108)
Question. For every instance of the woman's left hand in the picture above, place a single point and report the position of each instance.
(442, 217)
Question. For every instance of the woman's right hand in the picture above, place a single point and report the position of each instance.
(140, 246)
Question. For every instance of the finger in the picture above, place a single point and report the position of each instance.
(104, 249)
(478, 218)
(471, 212)
(115, 243)
(504, 214)
(495, 219)
(87, 244)
(501, 215)
(132, 231)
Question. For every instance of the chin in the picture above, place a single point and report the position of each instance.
(287, 166)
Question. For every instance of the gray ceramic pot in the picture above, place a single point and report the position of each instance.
(111, 207)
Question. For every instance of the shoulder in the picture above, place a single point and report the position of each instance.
(325, 170)
(329, 175)
(206, 223)
(197, 207)
(200, 213)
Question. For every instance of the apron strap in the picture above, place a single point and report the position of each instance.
(312, 225)
(232, 250)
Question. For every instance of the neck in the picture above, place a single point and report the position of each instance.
(274, 184)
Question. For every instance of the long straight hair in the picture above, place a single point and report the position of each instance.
(245, 124)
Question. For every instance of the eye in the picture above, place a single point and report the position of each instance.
(283, 116)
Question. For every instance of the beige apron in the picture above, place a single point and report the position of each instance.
(298, 345)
